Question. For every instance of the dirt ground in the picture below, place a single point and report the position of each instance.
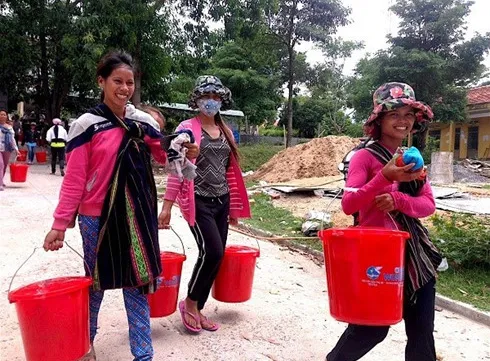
(286, 319)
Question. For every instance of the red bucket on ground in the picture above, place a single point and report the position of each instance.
(18, 172)
(53, 318)
(41, 156)
(365, 274)
(164, 301)
(234, 281)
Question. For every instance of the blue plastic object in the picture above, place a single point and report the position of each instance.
(412, 155)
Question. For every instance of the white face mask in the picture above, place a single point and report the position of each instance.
(209, 107)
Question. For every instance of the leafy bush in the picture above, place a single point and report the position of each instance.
(275, 132)
(271, 132)
(464, 239)
(431, 146)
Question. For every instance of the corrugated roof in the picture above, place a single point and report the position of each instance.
(479, 95)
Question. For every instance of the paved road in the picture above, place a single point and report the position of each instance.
(286, 319)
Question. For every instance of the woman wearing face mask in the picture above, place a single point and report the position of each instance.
(215, 198)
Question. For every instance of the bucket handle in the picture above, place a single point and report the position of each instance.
(258, 245)
(393, 220)
(180, 239)
(32, 254)
(256, 241)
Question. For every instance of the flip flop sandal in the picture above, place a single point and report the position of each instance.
(183, 312)
(213, 328)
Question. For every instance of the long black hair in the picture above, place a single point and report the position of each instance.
(228, 135)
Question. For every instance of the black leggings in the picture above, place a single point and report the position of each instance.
(358, 340)
(211, 233)
(60, 154)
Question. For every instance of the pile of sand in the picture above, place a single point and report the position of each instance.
(318, 158)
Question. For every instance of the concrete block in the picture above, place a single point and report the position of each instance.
(441, 167)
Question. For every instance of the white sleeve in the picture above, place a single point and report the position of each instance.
(49, 135)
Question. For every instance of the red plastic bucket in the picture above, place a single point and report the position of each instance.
(41, 156)
(53, 318)
(164, 301)
(18, 172)
(235, 277)
(365, 274)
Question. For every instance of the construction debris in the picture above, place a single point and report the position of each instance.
(477, 166)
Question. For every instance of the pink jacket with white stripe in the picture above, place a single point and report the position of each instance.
(183, 192)
(91, 152)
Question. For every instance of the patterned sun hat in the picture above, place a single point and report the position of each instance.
(210, 84)
(391, 96)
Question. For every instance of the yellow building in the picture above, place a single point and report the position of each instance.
(471, 139)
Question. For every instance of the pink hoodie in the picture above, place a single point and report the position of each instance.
(184, 192)
(93, 143)
(365, 175)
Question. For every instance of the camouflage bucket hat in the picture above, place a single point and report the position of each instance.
(209, 84)
(391, 96)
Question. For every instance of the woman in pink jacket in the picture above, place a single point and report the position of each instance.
(395, 197)
(109, 183)
(216, 197)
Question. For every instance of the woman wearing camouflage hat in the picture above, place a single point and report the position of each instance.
(391, 195)
(210, 202)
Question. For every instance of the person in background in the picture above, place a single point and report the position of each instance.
(7, 145)
(17, 125)
(155, 113)
(216, 197)
(109, 183)
(395, 197)
(31, 138)
(56, 137)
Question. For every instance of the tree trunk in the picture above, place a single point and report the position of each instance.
(44, 62)
(291, 42)
(290, 97)
(136, 99)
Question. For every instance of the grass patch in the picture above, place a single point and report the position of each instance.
(278, 221)
(253, 156)
(486, 186)
(466, 285)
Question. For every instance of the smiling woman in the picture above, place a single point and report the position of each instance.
(115, 77)
(109, 184)
(394, 197)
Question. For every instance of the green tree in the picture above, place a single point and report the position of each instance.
(293, 21)
(428, 53)
(328, 83)
(144, 29)
(255, 90)
(51, 45)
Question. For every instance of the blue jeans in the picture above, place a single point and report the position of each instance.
(137, 307)
(31, 147)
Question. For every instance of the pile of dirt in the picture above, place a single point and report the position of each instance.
(318, 158)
